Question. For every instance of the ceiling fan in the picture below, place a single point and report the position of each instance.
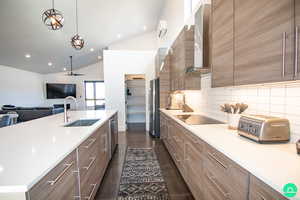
(71, 73)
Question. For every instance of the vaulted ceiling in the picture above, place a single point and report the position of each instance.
(100, 22)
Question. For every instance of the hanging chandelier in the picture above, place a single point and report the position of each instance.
(77, 41)
(53, 18)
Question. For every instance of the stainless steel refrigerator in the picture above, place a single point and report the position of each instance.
(154, 128)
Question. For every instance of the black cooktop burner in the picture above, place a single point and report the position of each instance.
(197, 120)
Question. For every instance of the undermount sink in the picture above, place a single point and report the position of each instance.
(82, 122)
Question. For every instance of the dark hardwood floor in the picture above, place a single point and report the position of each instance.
(110, 185)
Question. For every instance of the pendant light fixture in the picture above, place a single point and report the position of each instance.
(77, 41)
(53, 18)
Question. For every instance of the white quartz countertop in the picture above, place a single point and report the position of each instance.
(274, 164)
(29, 150)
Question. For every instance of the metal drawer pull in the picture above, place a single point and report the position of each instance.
(283, 53)
(225, 194)
(92, 192)
(261, 196)
(92, 141)
(217, 160)
(91, 163)
(68, 166)
(296, 51)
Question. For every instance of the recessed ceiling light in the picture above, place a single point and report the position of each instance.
(27, 55)
(65, 69)
(144, 27)
(119, 36)
(50, 64)
(92, 49)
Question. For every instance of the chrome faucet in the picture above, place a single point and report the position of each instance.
(66, 117)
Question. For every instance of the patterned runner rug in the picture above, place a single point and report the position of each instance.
(141, 177)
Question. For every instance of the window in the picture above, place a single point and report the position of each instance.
(94, 94)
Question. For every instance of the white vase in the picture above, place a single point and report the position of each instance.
(233, 121)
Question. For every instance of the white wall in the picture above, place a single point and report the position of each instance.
(20, 88)
(116, 65)
(177, 16)
(173, 13)
(279, 99)
(91, 73)
(144, 42)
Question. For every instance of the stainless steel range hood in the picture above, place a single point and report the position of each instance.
(202, 41)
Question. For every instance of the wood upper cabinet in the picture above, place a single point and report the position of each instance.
(297, 38)
(260, 191)
(264, 41)
(222, 42)
(181, 58)
(164, 83)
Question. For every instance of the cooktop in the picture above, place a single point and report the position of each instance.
(197, 120)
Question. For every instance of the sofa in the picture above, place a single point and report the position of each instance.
(31, 113)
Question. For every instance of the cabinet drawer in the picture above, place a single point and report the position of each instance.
(59, 184)
(260, 191)
(193, 140)
(89, 185)
(215, 189)
(226, 171)
(88, 147)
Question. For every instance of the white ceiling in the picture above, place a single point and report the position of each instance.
(100, 22)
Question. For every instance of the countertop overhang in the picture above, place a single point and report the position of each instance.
(274, 164)
(29, 150)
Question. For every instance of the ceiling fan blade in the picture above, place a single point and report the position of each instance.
(74, 74)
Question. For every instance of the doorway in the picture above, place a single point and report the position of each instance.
(135, 93)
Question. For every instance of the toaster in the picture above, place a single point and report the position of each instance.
(264, 129)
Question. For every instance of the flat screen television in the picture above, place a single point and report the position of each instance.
(60, 91)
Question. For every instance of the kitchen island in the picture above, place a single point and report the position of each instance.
(36, 156)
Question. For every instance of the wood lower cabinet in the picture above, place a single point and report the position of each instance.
(209, 174)
(260, 191)
(264, 41)
(297, 39)
(59, 184)
(79, 175)
(194, 159)
(222, 43)
(218, 172)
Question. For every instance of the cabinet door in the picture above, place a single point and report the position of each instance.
(172, 68)
(194, 167)
(263, 41)
(297, 33)
(192, 81)
(164, 83)
(222, 43)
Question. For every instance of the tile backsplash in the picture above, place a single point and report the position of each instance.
(282, 100)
